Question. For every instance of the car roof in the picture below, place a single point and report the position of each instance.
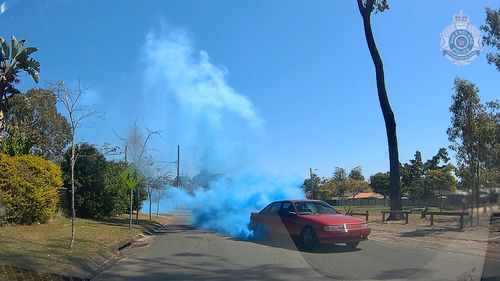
(298, 200)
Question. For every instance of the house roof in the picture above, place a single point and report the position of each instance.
(365, 195)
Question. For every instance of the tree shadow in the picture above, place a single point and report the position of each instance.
(429, 232)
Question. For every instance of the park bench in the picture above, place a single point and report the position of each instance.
(351, 213)
(422, 211)
(495, 219)
(406, 213)
(460, 214)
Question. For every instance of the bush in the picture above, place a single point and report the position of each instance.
(28, 188)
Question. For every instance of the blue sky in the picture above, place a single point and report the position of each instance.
(300, 70)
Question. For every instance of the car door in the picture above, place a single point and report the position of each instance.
(289, 218)
(270, 219)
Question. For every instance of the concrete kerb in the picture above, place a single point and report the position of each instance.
(139, 240)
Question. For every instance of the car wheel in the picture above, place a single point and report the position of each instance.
(308, 238)
(352, 245)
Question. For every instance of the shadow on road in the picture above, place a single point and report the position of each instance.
(288, 244)
(429, 232)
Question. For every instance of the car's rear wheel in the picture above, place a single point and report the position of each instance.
(352, 245)
(308, 238)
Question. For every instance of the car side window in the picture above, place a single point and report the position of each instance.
(286, 208)
(271, 209)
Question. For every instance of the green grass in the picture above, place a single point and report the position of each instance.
(44, 247)
(374, 211)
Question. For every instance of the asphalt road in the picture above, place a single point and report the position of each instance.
(183, 253)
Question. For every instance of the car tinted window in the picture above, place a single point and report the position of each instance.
(271, 208)
(286, 208)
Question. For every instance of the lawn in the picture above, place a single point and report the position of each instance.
(374, 211)
(44, 247)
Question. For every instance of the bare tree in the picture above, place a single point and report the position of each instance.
(70, 99)
(138, 146)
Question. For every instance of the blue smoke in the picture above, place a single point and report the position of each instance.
(215, 126)
(226, 205)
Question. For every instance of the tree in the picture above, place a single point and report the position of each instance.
(366, 7)
(115, 191)
(422, 180)
(35, 115)
(15, 143)
(155, 183)
(88, 180)
(342, 186)
(138, 146)
(356, 174)
(380, 183)
(412, 178)
(70, 100)
(13, 60)
(440, 180)
(464, 133)
(492, 35)
(311, 186)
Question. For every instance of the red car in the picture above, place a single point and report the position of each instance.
(309, 222)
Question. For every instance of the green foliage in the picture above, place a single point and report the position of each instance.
(12, 61)
(35, 115)
(475, 136)
(356, 174)
(380, 183)
(492, 35)
(115, 197)
(422, 180)
(89, 180)
(15, 143)
(99, 190)
(311, 186)
(340, 185)
(28, 188)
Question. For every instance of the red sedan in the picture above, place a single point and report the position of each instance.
(309, 222)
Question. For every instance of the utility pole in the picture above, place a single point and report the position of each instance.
(313, 186)
(177, 181)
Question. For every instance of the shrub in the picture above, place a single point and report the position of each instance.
(28, 188)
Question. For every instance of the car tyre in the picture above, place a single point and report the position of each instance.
(308, 239)
(352, 245)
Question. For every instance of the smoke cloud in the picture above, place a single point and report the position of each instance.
(215, 127)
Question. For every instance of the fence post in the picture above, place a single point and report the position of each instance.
(462, 221)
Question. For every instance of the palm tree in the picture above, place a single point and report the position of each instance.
(12, 61)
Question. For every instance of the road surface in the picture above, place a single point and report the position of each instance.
(183, 253)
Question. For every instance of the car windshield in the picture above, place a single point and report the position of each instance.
(305, 208)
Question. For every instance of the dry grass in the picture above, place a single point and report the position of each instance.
(44, 247)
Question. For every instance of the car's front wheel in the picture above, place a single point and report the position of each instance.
(308, 238)
(352, 245)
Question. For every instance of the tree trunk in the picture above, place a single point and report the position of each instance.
(73, 213)
(137, 205)
(390, 123)
(150, 192)
(158, 204)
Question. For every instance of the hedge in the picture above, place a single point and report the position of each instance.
(28, 188)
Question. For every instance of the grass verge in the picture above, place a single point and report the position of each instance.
(44, 247)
